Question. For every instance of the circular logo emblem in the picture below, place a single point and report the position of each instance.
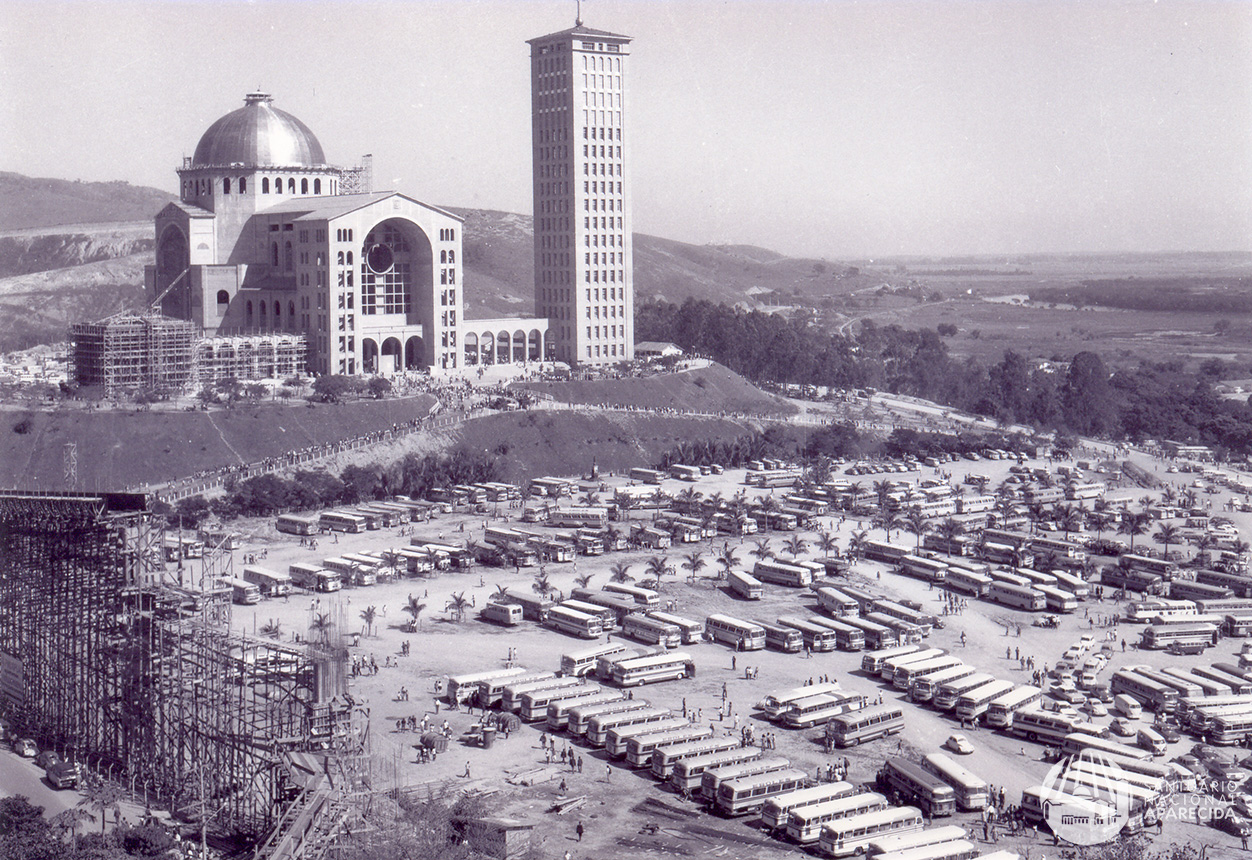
(1084, 799)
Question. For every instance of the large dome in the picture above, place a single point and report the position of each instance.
(258, 135)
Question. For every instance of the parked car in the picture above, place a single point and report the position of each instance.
(47, 759)
(1231, 822)
(26, 748)
(1095, 708)
(63, 774)
(1171, 734)
(959, 744)
(1123, 727)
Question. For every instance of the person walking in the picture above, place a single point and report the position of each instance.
(579, 830)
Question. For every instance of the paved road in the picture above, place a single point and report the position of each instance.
(22, 776)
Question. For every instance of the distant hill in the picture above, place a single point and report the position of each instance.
(27, 202)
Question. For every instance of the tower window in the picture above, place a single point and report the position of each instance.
(265, 185)
(223, 297)
(274, 254)
(291, 185)
(304, 186)
(278, 185)
(317, 186)
(243, 184)
(226, 185)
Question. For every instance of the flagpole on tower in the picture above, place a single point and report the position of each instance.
(578, 16)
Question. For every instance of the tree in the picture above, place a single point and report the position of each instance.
(583, 580)
(761, 549)
(101, 796)
(66, 823)
(1167, 534)
(1099, 520)
(856, 544)
(620, 572)
(368, 614)
(658, 566)
(1132, 525)
(272, 630)
(624, 503)
(693, 563)
(888, 521)
(322, 626)
(378, 387)
(795, 546)
(458, 605)
(827, 543)
(414, 609)
(1069, 519)
(727, 559)
(950, 529)
(542, 584)
(334, 388)
(915, 522)
(501, 594)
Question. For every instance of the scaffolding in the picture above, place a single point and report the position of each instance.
(130, 352)
(359, 179)
(129, 668)
(273, 355)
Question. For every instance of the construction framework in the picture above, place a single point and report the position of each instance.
(113, 661)
(130, 352)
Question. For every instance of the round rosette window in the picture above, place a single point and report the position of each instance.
(380, 259)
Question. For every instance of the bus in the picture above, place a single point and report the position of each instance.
(651, 631)
(579, 718)
(1017, 596)
(905, 631)
(807, 712)
(780, 638)
(1075, 742)
(621, 605)
(892, 664)
(242, 591)
(534, 607)
(748, 794)
(906, 674)
(923, 689)
(816, 636)
(504, 614)
(974, 704)
(876, 550)
(836, 603)
(1184, 686)
(1144, 611)
(866, 724)
(1199, 719)
(713, 777)
(1011, 577)
(1038, 802)
(272, 583)
(605, 663)
(646, 476)
(559, 709)
(1162, 568)
(608, 618)
(313, 577)
(338, 521)
(645, 597)
(1113, 576)
(1224, 605)
(1056, 599)
(916, 785)
(804, 825)
(1239, 584)
(616, 738)
(1036, 724)
(924, 620)
(1000, 712)
(877, 636)
(871, 664)
(947, 695)
(847, 637)
(971, 792)
(600, 724)
(1188, 590)
(1072, 583)
(967, 582)
(349, 572)
(891, 845)
(920, 567)
(692, 631)
(775, 705)
(1191, 704)
(534, 703)
(685, 473)
(579, 517)
(743, 635)
(461, 687)
(574, 623)
(664, 758)
(1228, 673)
(1228, 729)
(1036, 577)
(295, 524)
(639, 749)
(1152, 695)
(745, 585)
(511, 691)
(1207, 687)
(847, 836)
(688, 773)
(777, 810)
(780, 573)
(652, 670)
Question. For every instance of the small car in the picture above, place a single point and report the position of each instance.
(1232, 822)
(1171, 734)
(1095, 708)
(959, 744)
(1074, 697)
(1123, 727)
(26, 748)
(47, 759)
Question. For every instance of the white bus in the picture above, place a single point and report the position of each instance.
(892, 664)
(338, 521)
(692, 631)
(1017, 596)
(580, 663)
(835, 602)
(1057, 599)
(1207, 687)
(972, 792)
(639, 749)
(294, 524)
(1036, 724)
(847, 637)
(742, 635)
(461, 687)
(713, 777)
(877, 636)
(688, 773)
(777, 810)
(1144, 611)
(645, 597)
(968, 582)
(930, 837)
(780, 573)
(871, 664)
(905, 631)
(651, 631)
(955, 849)
(1157, 637)
(1000, 712)
(804, 825)
(974, 704)
(579, 718)
(664, 758)
(574, 623)
(242, 591)
(899, 611)
(782, 639)
(1072, 583)
(504, 614)
(559, 709)
(866, 724)
(616, 738)
(813, 710)
(775, 705)
(608, 618)
(1229, 728)
(947, 695)
(314, 577)
(272, 583)
(748, 794)
(851, 835)
(511, 691)
(1152, 695)
(600, 724)
(906, 674)
(1075, 742)
(534, 703)
(745, 585)
(654, 669)
(923, 689)
(816, 637)
(913, 782)
(579, 517)
(1038, 801)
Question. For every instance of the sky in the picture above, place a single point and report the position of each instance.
(838, 130)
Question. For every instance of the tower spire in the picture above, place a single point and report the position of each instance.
(578, 15)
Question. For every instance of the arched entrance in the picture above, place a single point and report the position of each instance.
(489, 348)
(536, 345)
(369, 355)
(414, 354)
(395, 265)
(519, 346)
(392, 356)
(502, 348)
(471, 349)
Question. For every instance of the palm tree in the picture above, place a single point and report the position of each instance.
(1203, 544)
(414, 609)
(1167, 534)
(795, 546)
(619, 572)
(583, 580)
(693, 563)
(624, 502)
(1132, 524)
(761, 549)
(727, 559)
(882, 489)
(915, 522)
(1100, 520)
(687, 498)
(950, 529)
(67, 821)
(272, 630)
(322, 625)
(827, 544)
(856, 544)
(1034, 513)
(888, 521)
(101, 796)
(1069, 518)
(589, 498)
(658, 566)
(501, 594)
(542, 584)
(981, 482)
(458, 605)
(368, 614)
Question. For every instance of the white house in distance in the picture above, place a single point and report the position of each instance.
(656, 349)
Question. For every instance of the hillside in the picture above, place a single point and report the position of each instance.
(707, 389)
(27, 201)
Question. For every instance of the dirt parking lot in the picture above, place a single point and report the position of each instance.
(621, 804)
